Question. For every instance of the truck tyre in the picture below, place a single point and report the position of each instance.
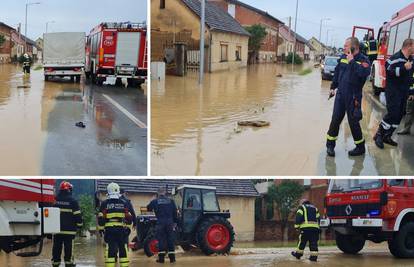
(77, 78)
(150, 244)
(215, 235)
(377, 91)
(393, 248)
(349, 244)
(403, 242)
(72, 78)
(46, 77)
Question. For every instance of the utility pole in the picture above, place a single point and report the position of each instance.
(296, 22)
(290, 26)
(25, 22)
(202, 25)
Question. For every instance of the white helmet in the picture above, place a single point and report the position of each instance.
(114, 190)
(26, 55)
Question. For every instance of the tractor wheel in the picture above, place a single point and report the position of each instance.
(215, 235)
(150, 244)
(349, 244)
(135, 241)
(186, 247)
(403, 242)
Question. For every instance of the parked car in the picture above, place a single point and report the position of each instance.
(328, 67)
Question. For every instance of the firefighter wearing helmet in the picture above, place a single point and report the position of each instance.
(307, 222)
(114, 218)
(70, 222)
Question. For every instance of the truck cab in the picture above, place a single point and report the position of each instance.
(377, 210)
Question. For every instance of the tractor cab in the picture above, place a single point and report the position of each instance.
(194, 203)
(201, 224)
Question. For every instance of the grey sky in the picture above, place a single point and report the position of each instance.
(343, 14)
(70, 15)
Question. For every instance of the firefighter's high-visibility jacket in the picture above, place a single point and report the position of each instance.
(307, 216)
(372, 47)
(70, 215)
(114, 213)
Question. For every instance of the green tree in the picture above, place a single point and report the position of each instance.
(298, 59)
(86, 203)
(257, 34)
(2, 39)
(286, 195)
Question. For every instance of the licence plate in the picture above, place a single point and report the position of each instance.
(338, 221)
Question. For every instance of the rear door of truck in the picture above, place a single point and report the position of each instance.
(127, 48)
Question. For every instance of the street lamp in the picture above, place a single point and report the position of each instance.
(320, 29)
(327, 36)
(25, 27)
(296, 22)
(47, 24)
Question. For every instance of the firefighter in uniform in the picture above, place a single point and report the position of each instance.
(399, 69)
(167, 220)
(114, 217)
(307, 222)
(350, 75)
(371, 48)
(70, 222)
(131, 210)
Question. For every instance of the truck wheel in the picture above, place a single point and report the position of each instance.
(377, 91)
(349, 244)
(77, 78)
(215, 235)
(393, 248)
(150, 244)
(46, 77)
(403, 242)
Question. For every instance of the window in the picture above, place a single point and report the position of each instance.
(391, 44)
(210, 201)
(396, 182)
(403, 33)
(238, 53)
(162, 4)
(224, 50)
(178, 199)
(192, 199)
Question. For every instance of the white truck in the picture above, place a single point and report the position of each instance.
(27, 215)
(64, 55)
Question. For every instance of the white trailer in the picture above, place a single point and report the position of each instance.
(64, 54)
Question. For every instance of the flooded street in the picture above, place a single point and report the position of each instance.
(90, 253)
(195, 131)
(39, 136)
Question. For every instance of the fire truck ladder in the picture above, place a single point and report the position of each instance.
(145, 55)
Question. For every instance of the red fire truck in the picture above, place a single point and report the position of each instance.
(26, 215)
(391, 35)
(371, 209)
(117, 52)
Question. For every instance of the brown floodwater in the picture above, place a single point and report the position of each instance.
(195, 131)
(89, 253)
(38, 133)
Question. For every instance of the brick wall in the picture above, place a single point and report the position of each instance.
(271, 231)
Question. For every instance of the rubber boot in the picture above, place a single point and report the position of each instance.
(172, 257)
(387, 137)
(359, 150)
(330, 148)
(296, 255)
(379, 137)
(313, 258)
(161, 257)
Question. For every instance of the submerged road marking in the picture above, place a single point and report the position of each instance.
(126, 112)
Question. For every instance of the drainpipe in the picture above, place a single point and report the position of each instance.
(209, 50)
